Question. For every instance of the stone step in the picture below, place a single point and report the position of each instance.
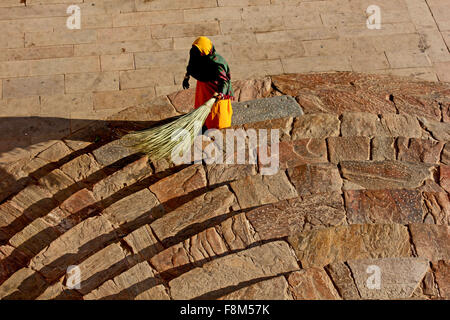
(251, 191)
(137, 283)
(268, 260)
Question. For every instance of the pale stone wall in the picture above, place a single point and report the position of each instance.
(130, 50)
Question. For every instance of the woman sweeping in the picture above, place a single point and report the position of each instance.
(213, 80)
(212, 107)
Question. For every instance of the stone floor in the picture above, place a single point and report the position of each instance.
(362, 188)
(128, 51)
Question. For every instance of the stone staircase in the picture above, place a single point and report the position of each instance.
(363, 182)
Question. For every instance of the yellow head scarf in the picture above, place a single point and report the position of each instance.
(204, 45)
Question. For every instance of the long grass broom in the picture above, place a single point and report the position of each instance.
(162, 141)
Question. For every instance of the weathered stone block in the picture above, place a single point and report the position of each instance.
(299, 152)
(348, 148)
(342, 278)
(312, 284)
(137, 283)
(444, 177)
(418, 150)
(383, 206)
(297, 215)
(130, 174)
(172, 191)
(134, 210)
(143, 242)
(22, 285)
(315, 178)
(194, 251)
(100, 266)
(383, 148)
(257, 190)
(441, 271)
(375, 175)
(431, 241)
(359, 124)
(399, 277)
(194, 215)
(400, 125)
(33, 86)
(321, 247)
(88, 82)
(436, 207)
(320, 125)
(272, 289)
(266, 260)
(72, 246)
(265, 109)
(117, 62)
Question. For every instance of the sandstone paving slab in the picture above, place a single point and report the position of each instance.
(431, 241)
(315, 178)
(398, 277)
(267, 260)
(342, 278)
(237, 232)
(312, 284)
(441, 270)
(321, 247)
(134, 210)
(284, 126)
(400, 125)
(33, 237)
(22, 285)
(273, 289)
(74, 245)
(292, 216)
(56, 152)
(437, 207)
(10, 261)
(137, 283)
(348, 148)
(232, 234)
(111, 153)
(316, 125)
(384, 206)
(298, 152)
(142, 242)
(419, 150)
(34, 201)
(82, 168)
(444, 177)
(190, 217)
(102, 265)
(132, 173)
(194, 251)
(58, 291)
(445, 156)
(362, 124)
(387, 174)
(11, 220)
(258, 190)
(170, 190)
(265, 109)
(439, 130)
(383, 148)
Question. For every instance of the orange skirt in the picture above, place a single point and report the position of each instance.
(221, 112)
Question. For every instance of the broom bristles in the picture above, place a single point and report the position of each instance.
(161, 141)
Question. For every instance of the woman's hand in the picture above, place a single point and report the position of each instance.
(218, 96)
(186, 82)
